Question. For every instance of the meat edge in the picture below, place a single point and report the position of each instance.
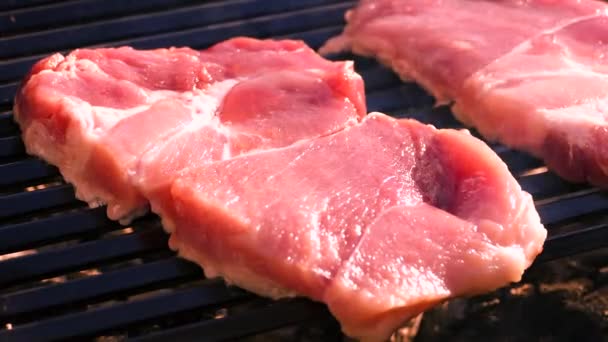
(40, 143)
(513, 255)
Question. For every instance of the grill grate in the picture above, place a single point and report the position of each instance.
(80, 275)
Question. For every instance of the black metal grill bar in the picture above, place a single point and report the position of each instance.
(276, 315)
(404, 95)
(438, 116)
(568, 208)
(67, 13)
(24, 170)
(86, 254)
(314, 38)
(28, 202)
(90, 322)
(145, 275)
(31, 234)
(7, 126)
(148, 24)
(205, 34)
(571, 243)
(17, 4)
(11, 146)
(378, 77)
(11, 71)
(519, 162)
(7, 91)
(548, 184)
(115, 283)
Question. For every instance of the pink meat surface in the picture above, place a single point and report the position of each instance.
(380, 221)
(531, 74)
(120, 123)
(261, 162)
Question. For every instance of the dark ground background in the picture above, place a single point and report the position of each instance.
(563, 300)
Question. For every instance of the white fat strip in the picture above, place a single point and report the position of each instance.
(202, 101)
(107, 117)
(204, 104)
(571, 67)
(520, 48)
(573, 112)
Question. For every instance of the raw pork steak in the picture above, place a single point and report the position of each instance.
(531, 74)
(119, 123)
(380, 221)
(261, 162)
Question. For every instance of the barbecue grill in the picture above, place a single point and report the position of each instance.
(67, 272)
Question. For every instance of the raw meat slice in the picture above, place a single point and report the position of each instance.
(96, 114)
(530, 74)
(557, 84)
(380, 221)
(272, 110)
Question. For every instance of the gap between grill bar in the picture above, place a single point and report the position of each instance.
(141, 25)
(27, 202)
(256, 321)
(7, 125)
(11, 146)
(114, 283)
(567, 244)
(210, 292)
(282, 23)
(25, 170)
(53, 262)
(31, 234)
(7, 5)
(123, 280)
(584, 204)
(66, 13)
(548, 184)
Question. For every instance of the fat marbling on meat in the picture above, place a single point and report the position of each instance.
(530, 74)
(263, 166)
(380, 221)
(120, 122)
